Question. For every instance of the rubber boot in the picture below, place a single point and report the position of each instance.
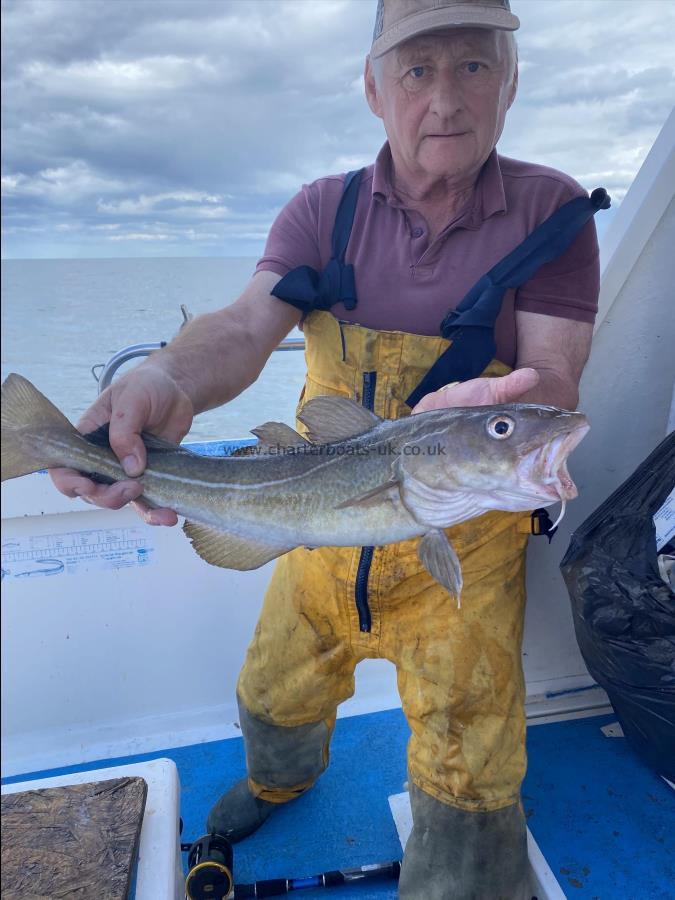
(281, 761)
(454, 854)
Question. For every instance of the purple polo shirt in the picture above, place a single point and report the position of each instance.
(404, 283)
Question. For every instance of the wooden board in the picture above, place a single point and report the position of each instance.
(78, 841)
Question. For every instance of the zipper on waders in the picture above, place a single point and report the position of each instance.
(366, 558)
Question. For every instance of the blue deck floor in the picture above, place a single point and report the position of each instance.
(603, 820)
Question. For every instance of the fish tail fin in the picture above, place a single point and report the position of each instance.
(26, 413)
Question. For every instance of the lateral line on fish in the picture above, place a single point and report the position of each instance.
(200, 482)
(66, 446)
(233, 485)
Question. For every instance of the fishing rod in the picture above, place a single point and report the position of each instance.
(276, 887)
(210, 861)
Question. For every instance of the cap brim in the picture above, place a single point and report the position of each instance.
(467, 15)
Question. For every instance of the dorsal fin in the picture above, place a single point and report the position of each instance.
(101, 438)
(277, 435)
(152, 442)
(332, 419)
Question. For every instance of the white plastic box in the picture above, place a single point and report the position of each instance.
(160, 871)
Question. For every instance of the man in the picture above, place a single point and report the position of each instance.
(435, 212)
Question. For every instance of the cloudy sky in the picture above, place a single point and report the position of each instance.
(180, 127)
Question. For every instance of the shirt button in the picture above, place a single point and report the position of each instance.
(417, 232)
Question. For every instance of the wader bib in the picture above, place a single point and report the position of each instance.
(459, 670)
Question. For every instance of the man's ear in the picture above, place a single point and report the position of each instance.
(513, 90)
(372, 95)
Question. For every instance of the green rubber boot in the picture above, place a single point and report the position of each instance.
(454, 854)
(238, 813)
(276, 757)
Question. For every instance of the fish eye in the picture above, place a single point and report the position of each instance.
(500, 427)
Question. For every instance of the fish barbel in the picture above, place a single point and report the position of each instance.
(353, 480)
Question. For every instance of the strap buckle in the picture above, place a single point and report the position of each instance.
(542, 524)
(448, 324)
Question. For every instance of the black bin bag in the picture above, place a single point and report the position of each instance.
(624, 612)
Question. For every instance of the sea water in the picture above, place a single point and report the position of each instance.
(61, 317)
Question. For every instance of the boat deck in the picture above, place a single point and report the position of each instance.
(602, 819)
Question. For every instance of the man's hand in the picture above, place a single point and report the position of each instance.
(213, 359)
(146, 399)
(482, 391)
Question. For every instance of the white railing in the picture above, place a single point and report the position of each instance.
(134, 351)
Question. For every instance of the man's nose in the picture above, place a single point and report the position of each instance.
(446, 97)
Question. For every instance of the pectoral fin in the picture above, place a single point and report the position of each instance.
(440, 560)
(387, 492)
(220, 548)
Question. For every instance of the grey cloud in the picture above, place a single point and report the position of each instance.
(602, 83)
(121, 119)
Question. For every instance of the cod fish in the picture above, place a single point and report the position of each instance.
(354, 480)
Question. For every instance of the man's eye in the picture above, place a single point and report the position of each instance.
(418, 71)
(473, 67)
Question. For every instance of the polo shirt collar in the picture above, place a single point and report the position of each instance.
(382, 186)
(488, 197)
(490, 187)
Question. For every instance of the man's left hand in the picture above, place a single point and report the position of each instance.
(482, 391)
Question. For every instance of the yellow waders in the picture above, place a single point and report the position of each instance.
(459, 670)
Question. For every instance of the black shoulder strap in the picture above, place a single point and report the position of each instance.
(344, 217)
(471, 325)
(306, 289)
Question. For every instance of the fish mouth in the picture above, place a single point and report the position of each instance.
(545, 469)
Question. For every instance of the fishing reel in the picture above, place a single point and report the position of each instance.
(210, 863)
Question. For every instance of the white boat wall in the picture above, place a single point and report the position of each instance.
(627, 391)
(118, 639)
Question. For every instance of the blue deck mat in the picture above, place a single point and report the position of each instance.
(603, 820)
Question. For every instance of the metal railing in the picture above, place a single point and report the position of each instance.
(133, 351)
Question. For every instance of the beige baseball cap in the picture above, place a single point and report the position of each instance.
(397, 21)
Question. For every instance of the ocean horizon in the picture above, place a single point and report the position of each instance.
(61, 317)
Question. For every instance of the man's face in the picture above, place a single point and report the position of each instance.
(443, 98)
